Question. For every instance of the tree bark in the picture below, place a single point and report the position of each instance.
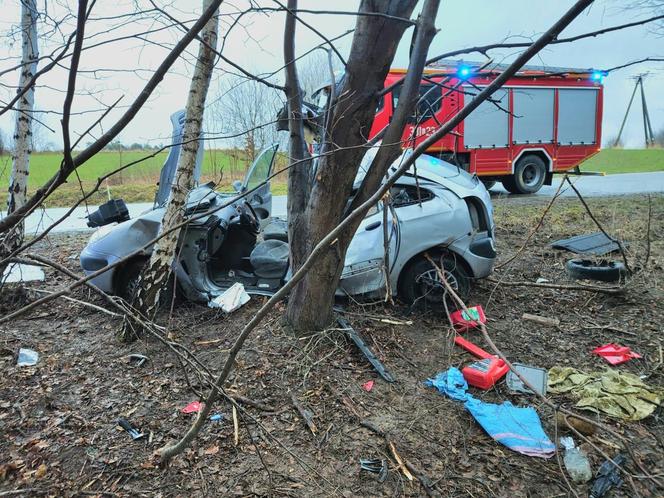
(374, 46)
(18, 182)
(156, 275)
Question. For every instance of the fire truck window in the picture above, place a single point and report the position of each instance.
(577, 110)
(533, 115)
(429, 102)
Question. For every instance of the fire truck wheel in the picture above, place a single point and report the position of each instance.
(529, 175)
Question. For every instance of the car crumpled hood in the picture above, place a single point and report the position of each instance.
(453, 178)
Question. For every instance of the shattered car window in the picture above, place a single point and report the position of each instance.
(406, 195)
(261, 171)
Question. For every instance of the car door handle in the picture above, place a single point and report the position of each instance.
(372, 226)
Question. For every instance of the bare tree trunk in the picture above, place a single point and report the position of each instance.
(18, 182)
(374, 46)
(156, 275)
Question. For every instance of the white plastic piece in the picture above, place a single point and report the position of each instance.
(23, 273)
(27, 357)
(542, 280)
(230, 300)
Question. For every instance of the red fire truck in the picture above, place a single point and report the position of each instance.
(542, 121)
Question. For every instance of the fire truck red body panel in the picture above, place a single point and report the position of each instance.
(557, 116)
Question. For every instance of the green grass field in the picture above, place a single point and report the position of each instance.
(135, 184)
(138, 182)
(612, 161)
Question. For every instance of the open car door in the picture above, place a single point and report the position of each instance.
(261, 169)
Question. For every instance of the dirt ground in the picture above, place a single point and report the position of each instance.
(58, 420)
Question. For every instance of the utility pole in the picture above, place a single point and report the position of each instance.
(647, 127)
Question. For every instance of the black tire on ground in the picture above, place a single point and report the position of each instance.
(529, 175)
(488, 183)
(127, 283)
(605, 271)
(419, 282)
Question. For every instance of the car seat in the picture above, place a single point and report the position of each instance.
(270, 259)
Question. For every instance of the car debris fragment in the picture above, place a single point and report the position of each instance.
(137, 359)
(537, 377)
(27, 358)
(375, 466)
(615, 354)
(132, 431)
(597, 244)
(607, 476)
(354, 336)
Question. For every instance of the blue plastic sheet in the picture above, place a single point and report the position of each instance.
(520, 429)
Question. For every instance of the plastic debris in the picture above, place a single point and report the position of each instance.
(233, 298)
(27, 358)
(193, 407)
(217, 417)
(593, 243)
(368, 385)
(361, 344)
(471, 319)
(607, 476)
(520, 429)
(132, 431)
(137, 359)
(537, 377)
(375, 466)
(576, 461)
(618, 394)
(615, 354)
(19, 272)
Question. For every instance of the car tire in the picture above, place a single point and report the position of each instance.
(604, 271)
(415, 283)
(529, 175)
(127, 285)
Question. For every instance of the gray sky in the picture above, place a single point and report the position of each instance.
(257, 44)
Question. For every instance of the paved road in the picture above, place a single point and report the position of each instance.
(599, 186)
(591, 186)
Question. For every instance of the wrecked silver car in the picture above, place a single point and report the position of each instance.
(443, 212)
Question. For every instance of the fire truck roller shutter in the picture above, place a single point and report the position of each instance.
(577, 111)
(487, 126)
(533, 115)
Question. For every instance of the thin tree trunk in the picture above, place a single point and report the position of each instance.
(156, 275)
(18, 182)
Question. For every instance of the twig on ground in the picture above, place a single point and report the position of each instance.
(408, 469)
(306, 415)
(580, 287)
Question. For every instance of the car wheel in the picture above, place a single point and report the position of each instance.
(420, 282)
(127, 285)
(529, 175)
(605, 271)
(488, 183)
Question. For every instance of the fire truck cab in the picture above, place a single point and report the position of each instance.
(544, 120)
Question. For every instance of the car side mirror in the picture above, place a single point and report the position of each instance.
(238, 186)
